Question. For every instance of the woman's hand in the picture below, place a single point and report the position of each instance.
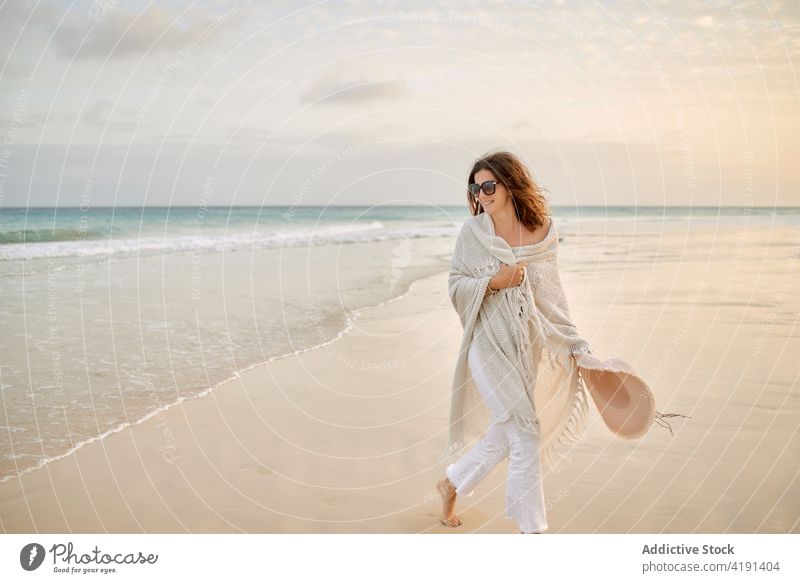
(509, 276)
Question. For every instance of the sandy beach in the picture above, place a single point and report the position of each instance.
(345, 437)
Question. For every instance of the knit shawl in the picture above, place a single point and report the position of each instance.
(528, 336)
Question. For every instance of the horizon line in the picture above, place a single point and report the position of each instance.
(390, 206)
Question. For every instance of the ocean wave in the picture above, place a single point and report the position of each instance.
(184, 243)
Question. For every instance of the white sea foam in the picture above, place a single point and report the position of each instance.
(259, 239)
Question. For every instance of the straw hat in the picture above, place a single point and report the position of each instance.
(624, 400)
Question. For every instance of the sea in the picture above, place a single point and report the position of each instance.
(108, 316)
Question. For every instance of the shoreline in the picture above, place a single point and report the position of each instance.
(352, 315)
(98, 487)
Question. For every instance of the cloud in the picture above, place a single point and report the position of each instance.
(119, 32)
(93, 115)
(14, 16)
(339, 90)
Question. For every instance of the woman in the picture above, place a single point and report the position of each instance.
(522, 364)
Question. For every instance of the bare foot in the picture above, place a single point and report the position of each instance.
(448, 493)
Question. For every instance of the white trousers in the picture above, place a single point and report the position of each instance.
(524, 490)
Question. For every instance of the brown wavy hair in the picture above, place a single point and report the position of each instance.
(526, 195)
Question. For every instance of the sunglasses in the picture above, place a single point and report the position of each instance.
(487, 187)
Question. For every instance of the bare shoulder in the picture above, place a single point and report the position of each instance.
(542, 232)
(549, 228)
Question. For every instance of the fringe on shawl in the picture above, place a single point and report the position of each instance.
(573, 430)
(451, 449)
(527, 333)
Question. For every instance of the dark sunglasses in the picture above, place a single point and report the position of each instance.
(487, 187)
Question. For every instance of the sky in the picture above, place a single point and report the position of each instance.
(108, 102)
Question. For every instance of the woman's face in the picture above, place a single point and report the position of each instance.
(491, 203)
